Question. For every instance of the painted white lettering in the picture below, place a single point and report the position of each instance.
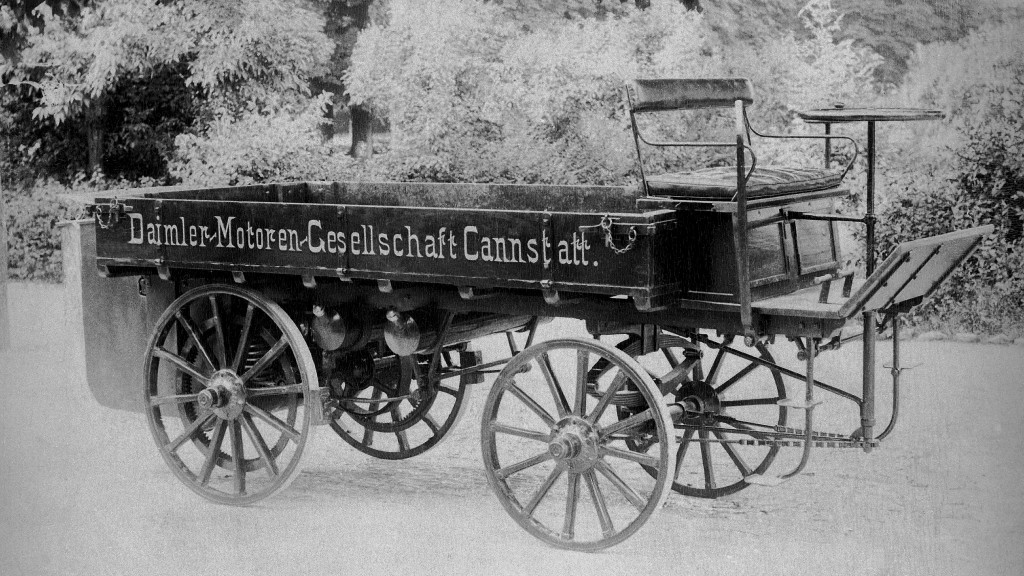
(136, 219)
(466, 242)
(531, 246)
(224, 232)
(563, 252)
(319, 247)
(412, 238)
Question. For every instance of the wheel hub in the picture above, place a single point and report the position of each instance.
(699, 399)
(574, 444)
(225, 396)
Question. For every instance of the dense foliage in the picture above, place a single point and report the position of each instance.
(119, 79)
(261, 146)
(471, 94)
(33, 238)
(976, 165)
(529, 91)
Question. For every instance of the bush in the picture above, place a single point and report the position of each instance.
(260, 146)
(473, 95)
(975, 165)
(33, 212)
(33, 239)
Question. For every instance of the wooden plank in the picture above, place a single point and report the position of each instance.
(914, 269)
(463, 247)
(523, 197)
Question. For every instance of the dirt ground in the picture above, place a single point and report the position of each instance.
(83, 489)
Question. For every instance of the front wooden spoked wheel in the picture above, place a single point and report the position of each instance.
(738, 395)
(556, 454)
(230, 388)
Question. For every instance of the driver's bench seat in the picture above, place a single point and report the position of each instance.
(720, 183)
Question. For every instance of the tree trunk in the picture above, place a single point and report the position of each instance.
(94, 135)
(361, 117)
(362, 132)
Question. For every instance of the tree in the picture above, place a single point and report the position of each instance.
(345, 19)
(19, 19)
(239, 54)
(479, 92)
(894, 30)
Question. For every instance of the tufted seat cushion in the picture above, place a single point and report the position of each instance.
(720, 183)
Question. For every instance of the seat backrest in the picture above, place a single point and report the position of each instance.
(688, 93)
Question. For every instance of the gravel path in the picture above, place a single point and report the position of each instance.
(84, 491)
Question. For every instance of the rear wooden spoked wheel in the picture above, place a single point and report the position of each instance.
(401, 411)
(556, 454)
(738, 398)
(230, 388)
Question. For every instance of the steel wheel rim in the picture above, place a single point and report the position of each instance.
(242, 425)
(580, 455)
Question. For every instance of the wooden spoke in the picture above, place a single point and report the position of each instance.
(681, 451)
(261, 445)
(173, 445)
(211, 455)
(532, 404)
(283, 428)
(403, 440)
(194, 335)
(751, 402)
(733, 455)
(400, 434)
(705, 455)
(606, 398)
(600, 369)
(644, 459)
(651, 373)
(522, 465)
(670, 357)
(218, 326)
(543, 490)
(607, 528)
(635, 499)
(521, 432)
(266, 359)
(431, 423)
(238, 454)
(173, 399)
(561, 404)
(571, 499)
(182, 365)
(676, 376)
(736, 377)
(716, 364)
(582, 360)
(243, 339)
(631, 422)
